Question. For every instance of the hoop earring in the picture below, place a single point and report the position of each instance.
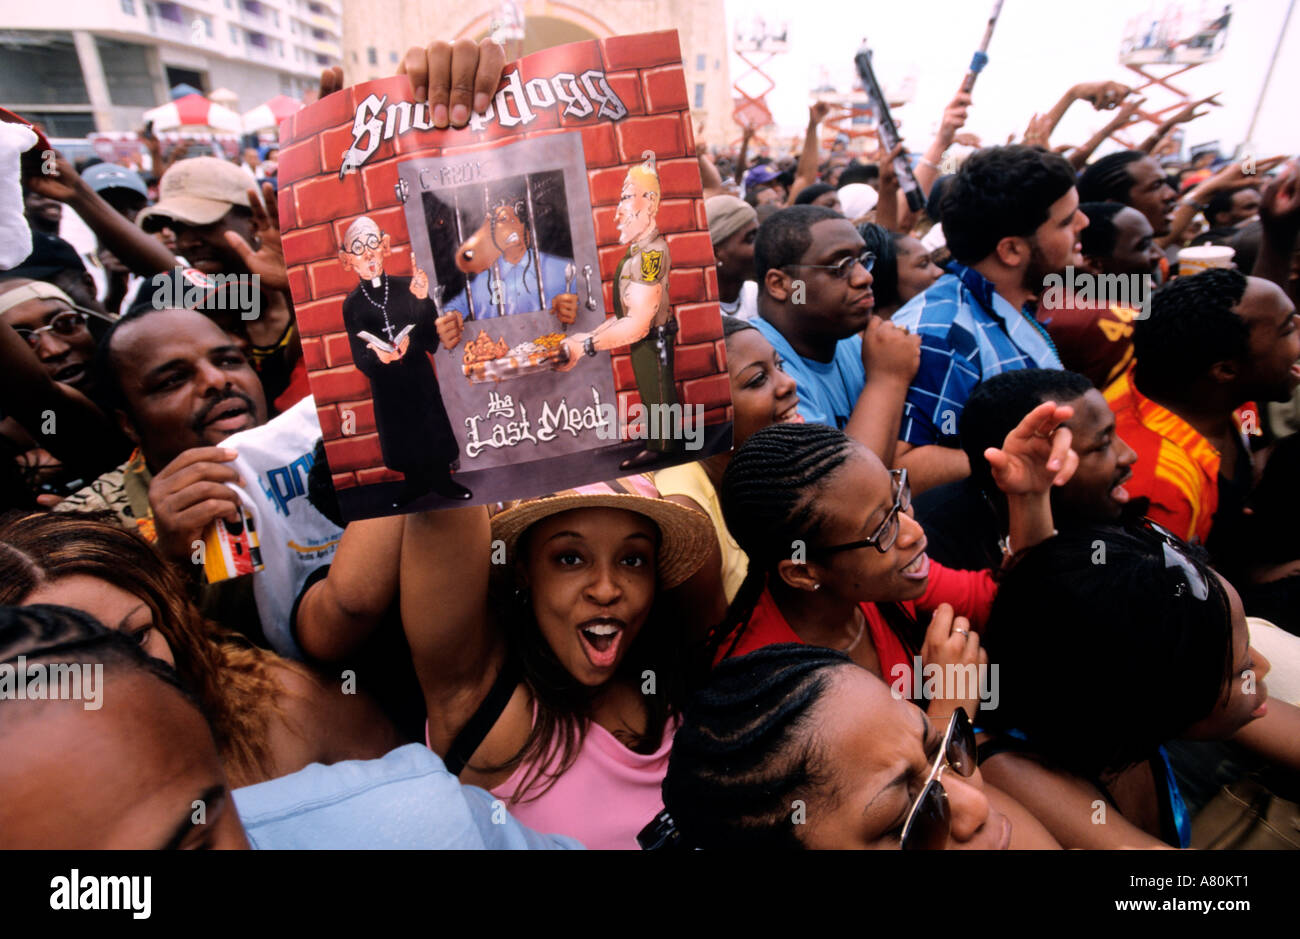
(521, 596)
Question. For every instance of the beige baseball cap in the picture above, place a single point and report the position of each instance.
(200, 191)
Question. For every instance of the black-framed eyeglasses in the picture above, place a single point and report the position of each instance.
(929, 820)
(1176, 559)
(844, 268)
(361, 245)
(68, 323)
(883, 538)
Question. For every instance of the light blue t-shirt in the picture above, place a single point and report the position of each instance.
(518, 287)
(828, 391)
(404, 800)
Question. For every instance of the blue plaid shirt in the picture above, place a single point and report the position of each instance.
(968, 333)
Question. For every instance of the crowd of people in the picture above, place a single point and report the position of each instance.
(984, 556)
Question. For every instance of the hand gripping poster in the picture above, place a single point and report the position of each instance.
(516, 307)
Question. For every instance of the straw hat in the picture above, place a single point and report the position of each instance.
(686, 536)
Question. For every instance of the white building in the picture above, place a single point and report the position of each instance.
(79, 66)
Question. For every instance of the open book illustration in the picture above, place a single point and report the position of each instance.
(388, 347)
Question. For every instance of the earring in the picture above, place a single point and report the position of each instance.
(817, 586)
(521, 596)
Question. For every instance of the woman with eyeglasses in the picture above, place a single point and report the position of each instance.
(1111, 643)
(837, 560)
(794, 746)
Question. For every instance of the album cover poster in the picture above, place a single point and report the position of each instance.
(517, 307)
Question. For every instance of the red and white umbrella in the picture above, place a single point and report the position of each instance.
(194, 111)
(270, 114)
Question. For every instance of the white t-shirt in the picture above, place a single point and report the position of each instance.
(746, 305)
(295, 538)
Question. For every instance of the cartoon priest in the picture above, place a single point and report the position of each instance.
(392, 323)
(643, 316)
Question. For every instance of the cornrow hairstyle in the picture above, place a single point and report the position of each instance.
(1190, 326)
(785, 237)
(746, 749)
(884, 275)
(1001, 192)
(1109, 179)
(49, 633)
(1098, 239)
(1139, 607)
(233, 679)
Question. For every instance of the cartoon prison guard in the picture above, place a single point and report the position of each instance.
(507, 273)
(392, 324)
(643, 317)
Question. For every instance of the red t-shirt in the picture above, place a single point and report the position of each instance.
(970, 593)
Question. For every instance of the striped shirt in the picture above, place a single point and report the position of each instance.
(968, 333)
(1177, 468)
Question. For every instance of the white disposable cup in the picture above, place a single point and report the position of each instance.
(1202, 257)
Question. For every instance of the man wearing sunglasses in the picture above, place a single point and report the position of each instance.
(815, 307)
(53, 326)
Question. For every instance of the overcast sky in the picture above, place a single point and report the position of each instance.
(1039, 49)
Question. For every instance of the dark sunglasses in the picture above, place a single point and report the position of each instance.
(883, 538)
(1176, 559)
(929, 821)
(845, 266)
(67, 323)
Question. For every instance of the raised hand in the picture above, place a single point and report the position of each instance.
(1279, 204)
(445, 75)
(188, 494)
(954, 115)
(565, 307)
(63, 184)
(1104, 96)
(1189, 112)
(450, 326)
(419, 280)
(949, 640)
(889, 351)
(267, 261)
(1036, 455)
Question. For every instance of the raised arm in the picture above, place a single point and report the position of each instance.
(805, 173)
(1279, 215)
(139, 252)
(1181, 117)
(338, 613)
(890, 357)
(1035, 456)
(1079, 158)
(446, 558)
(954, 117)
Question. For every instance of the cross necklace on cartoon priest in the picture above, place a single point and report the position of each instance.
(391, 340)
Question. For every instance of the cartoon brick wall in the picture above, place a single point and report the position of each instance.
(646, 73)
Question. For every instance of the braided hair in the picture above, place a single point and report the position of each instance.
(1191, 326)
(745, 750)
(59, 634)
(768, 495)
(1109, 179)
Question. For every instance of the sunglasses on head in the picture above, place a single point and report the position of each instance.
(883, 538)
(1176, 558)
(67, 323)
(929, 821)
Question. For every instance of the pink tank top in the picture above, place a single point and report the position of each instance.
(604, 799)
